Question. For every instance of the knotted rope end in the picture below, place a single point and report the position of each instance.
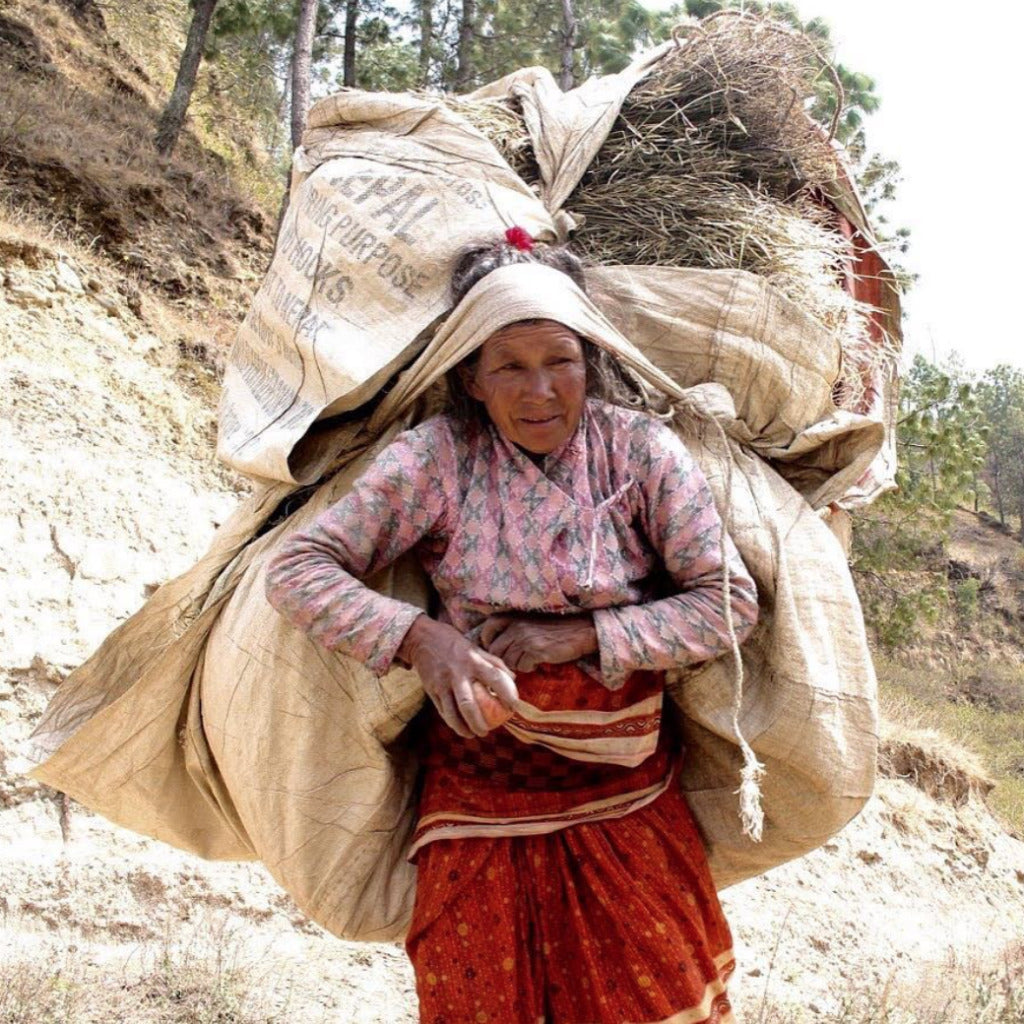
(751, 812)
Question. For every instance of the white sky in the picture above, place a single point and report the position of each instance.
(950, 81)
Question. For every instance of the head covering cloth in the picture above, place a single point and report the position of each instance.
(509, 295)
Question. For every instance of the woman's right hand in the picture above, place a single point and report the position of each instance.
(448, 665)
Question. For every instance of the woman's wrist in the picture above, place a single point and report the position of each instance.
(413, 639)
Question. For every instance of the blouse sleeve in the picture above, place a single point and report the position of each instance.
(684, 528)
(314, 580)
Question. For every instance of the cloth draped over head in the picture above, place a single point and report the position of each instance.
(509, 295)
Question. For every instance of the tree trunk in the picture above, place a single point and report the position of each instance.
(569, 34)
(464, 54)
(302, 61)
(351, 23)
(997, 492)
(1020, 503)
(426, 12)
(169, 126)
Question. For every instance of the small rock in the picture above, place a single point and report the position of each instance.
(47, 672)
(28, 297)
(869, 856)
(66, 280)
(108, 305)
(93, 285)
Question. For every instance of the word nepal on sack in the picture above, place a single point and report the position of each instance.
(360, 243)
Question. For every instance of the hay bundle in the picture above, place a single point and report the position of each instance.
(502, 122)
(715, 162)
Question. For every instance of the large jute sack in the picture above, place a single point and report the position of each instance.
(207, 722)
(254, 742)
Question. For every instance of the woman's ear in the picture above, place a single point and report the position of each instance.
(467, 374)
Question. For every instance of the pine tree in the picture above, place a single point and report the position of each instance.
(173, 117)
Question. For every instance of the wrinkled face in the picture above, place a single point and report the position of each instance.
(532, 380)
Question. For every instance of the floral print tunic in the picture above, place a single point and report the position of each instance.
(619, 522)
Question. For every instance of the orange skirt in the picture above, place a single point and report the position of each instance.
(606, 922)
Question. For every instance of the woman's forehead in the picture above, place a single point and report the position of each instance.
(531, 335)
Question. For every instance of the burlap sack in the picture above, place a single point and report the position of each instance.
(241, 738)
(207, 722)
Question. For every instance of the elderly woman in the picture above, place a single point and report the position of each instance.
(577, 554)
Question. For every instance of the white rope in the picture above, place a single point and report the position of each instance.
(751, 811)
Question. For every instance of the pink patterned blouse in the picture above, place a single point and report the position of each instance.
(619, 521)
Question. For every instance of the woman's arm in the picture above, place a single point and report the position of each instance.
(683, 526)
(314, 581)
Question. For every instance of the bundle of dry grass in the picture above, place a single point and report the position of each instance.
(502, 122)
(714, 161)
(734, 94)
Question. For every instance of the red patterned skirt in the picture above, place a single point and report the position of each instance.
(552, 890)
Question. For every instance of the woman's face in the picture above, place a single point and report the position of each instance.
(532, 380)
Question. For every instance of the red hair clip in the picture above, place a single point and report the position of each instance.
(519, 238)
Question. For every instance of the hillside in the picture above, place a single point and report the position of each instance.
(110, 360)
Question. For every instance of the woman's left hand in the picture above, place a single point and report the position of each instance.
(525, 641)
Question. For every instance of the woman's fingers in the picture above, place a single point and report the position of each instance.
(465, 701)
(521, 645)
(492, 628)
(521, 656)
(445, 704)
(496, 676)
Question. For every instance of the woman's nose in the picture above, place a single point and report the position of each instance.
(538, 385)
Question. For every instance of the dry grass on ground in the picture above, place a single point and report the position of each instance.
(187, 979)
(77, 119)
(961, 991)
(977, 708)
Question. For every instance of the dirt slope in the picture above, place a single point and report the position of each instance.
(111, 487)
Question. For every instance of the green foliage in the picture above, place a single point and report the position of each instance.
(899, 542)
(965, 598)
(898, 618)
(385, 63)
(511, 35)
(1001, 399)
(941, 438)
